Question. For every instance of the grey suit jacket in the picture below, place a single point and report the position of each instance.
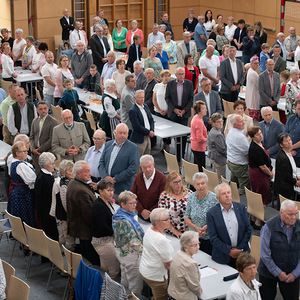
(226, 75)
(264, 87)
(182, 52)
(141, 81)
(280, 65)
(127, 100)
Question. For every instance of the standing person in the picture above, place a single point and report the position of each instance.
(221, 38)
(139, 75)
(28, 53)
(8, 72)
(100, 14)
(200, 35)
(230, 29)
(108, 36)
(280, 254)
(199, 134)
(77, 35)
(96, 21)
(108, 69)
(186, 47)
(134, 52)
(292, 92)
(251, 45)
(291, 43)
(209, 21)
(132, 32)
(67, 24)
(119, 36)
(191, 72)
(153, 62)
(36, 57)
(280, 63)
(190, 23)
(154, 36)
(162, 55)
(165, 21)
(18, 46)
(239, 34)
(119, 76)
(280, 42)
(260, 32)
(170, 47)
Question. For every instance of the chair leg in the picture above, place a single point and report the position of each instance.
(66, 289)
(12, 253)
(28, 265)
(49, 279)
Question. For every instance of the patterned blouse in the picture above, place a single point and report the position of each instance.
(156, 66)
(292, 93)
(221, 41)
(196, 210)
(176, 209)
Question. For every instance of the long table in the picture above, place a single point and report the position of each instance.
(4, 149)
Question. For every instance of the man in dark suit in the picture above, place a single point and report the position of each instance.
(231, 76)
(140, 77)
(211, 99)
(228, 227)
(134, 52)
(179, 97)
(67, 24)
(270, 129)
(100, 48)
(280, 63)
(120, 160)
(151, 82)
(142, 123)
(239, 34)
(41, 133)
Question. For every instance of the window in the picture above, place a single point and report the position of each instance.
(160, 7)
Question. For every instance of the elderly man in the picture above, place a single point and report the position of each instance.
(76, 35)
(151, 82)
(237, 154)
(200, 34)
(209, 66)
(280, 42)
(231, 75)
(70, 139)
(80, 199)
(142, 123)
(20, 114)
(5, 105)
(67, 24)
(269, 86)
(212, 43)
(127, 99)
(140, 77)
(80, 65)
(108, 68)
(148, 185)
(291, 43)
(41, 133)
(119, 161)
(165, 21)
(228, 227)
(155, 36)
(280, 63)
(179, 97)
(211, 99)
(95, 152)
(280, 254)
(186, 47)
(270, 129)
(100, 48)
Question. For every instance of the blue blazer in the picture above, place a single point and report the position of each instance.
(138, 125)
(218, 233)
(124, 167)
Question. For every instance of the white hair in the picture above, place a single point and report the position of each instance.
(21, 138)
(19, 30)
(217, 188)
(111, 52)
(200, 175)
(65, 165)
(138, 63)
(109, 83)
(139, 92)
(265, 108)
(288, 203)
(45, 159)
(157, 214)
(187, 238)
(294, 70)
(146, 158)
(234, 117)
(78, 166)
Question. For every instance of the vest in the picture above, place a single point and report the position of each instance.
(286, 256)
(18, 117)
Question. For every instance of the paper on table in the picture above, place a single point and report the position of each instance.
(163, 127)
(207, 271)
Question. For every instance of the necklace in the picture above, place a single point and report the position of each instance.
(201, 201)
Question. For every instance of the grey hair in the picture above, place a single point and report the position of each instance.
(203, 79)
(125, 196)
(121, 125)
(294, 70)
(187, 238)
(66, 110)
(233, 120)
(128, 77)
(21, 138)
(139, 92)
(158, 42)
(200, 16)
(157, 214)
(211, 41)
(162, 25)
(97, 26)
(185, 33)
(96, 18)
(146, 158)
(149, 69)
(19, 30)
(217, 188)
(265, 108)
(109, 83)
(279, 33)
(30, 38)
(215, 26)
(45, 159)
(65, 165)
(134, 21)
(154, 25)
(78, 166)
(252, 59)
(36, 43)
(288, 203)
(111, 52)
(191, 11)
(100, 131)
(177, 69)
(200, 175)
(138, 62)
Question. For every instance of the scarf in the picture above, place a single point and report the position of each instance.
(27, 49)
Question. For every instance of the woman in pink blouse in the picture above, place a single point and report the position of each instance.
(199, 134)
(130, 33)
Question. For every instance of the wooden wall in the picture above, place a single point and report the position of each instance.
(5, 16)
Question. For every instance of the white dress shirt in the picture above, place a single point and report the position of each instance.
(148, 181)
(145, 116)
(75, 36)
(229, 31)
(93, 157)
(26, 172)
(207, 99)
(231, 224)
(234, 70)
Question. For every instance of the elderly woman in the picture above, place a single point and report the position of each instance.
(214, 32)
(153, 62)
(102, 231)
(199, 134)
(224, 52)
(129, 242)
(174, 198)
(199, 203)
(28, 53)
(162, 55)
(245, 286)
(260, 32)
(285, 169)
(239, 107)
(119, 76)
(111, 116)
(96, 21)
(184, 271)
(119, 36)
(221, 38)
(191, 72)
(292, 92)
(8, 72)
(18, 46)
(251, 45)
(157, 254)
(190, 22)
(216, 145)
(43, 194)
(36, 57)
(170, 47)
(130, 33)
(252, 91)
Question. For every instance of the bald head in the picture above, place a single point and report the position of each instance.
(210, 49)
(270, 65)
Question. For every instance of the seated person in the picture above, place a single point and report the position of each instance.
(93, 81)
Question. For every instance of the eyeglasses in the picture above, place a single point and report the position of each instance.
(97, 139)
(132, 203)
(165, 220)
(24, 151)
(177, 182)
(195, 245)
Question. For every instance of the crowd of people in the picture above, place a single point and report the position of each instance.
(92, 172)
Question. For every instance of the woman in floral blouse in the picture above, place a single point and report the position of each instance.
(292, 92)
(199, 203)
(174, 198)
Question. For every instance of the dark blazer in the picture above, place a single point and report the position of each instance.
(284, 180)
(280, 65)
(124, 167)
(149, 94)
(187, 98)
(97, 49)
(66, 28)
(141, 81)
(237, 34)
(138, 125)
(248, 48)
(226, 75)
(218, 233)
(270, 139)
(264, 87)
(132, 56)
(263, 38)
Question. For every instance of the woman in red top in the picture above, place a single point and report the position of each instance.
(191, 72)
(130, 33)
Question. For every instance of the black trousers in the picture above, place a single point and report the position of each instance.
(232, 97)
(199, 159)
(205, 246)
(88, 251)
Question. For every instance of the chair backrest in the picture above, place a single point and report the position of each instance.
(281, 199)
(17, 229)
(172, 68)
(134, 297)
(189, 171)
(112, 289)
(18, 289)
(38, 94)
(57, 41)
(5, 85)
(224, 180)
(172, 163)
(57, 113)
(235, 192)
(36, 240)
(255, 205)
(9, 270)
(213, 179)
(228, 108)
(90, 118)
(276, 115)
(255, 248)
(76, 258)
